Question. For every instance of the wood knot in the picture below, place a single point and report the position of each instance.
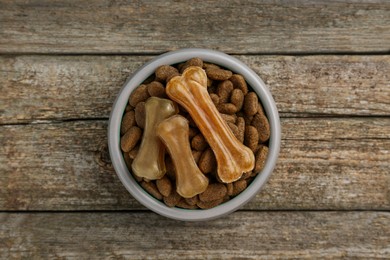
(102, 156)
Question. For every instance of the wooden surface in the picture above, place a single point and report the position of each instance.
(230, 26)
(326, 63)
(244, 235)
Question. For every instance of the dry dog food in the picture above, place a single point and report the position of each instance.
(210, 123)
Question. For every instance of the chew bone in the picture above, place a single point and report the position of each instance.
(149, 162)
(190, 91)
(190, 181)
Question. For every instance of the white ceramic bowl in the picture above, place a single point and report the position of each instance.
(144, 72)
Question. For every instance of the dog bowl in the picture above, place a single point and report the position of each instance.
(143, 73)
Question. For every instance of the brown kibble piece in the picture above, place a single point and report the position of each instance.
(130, 139)
(239, 82)
(248, 119)
(227, 108)
(234, 129)
(140, 114)
(251, 104)
(229, 188)
(183, 204)
(237, 98)
(214, 191)
(151, 188)
(218, 74)
(164, 186)
(207, 66)
(140, 94)
(241, 129)
(128, 121)
(192, 201)
(165, 73)
(215, 99)
(260, 122)
(251, 137)
(210, 204)
(172, 199)
(246, 175)
(156, 89)
(128, 160)
(196, 155)
(239, 186)
(192, 62)
(133, 153)
(128, 108)
(199, 142)
(226, 198)
(229, 118)
(224, 90)
(260, 158)
(207, 162)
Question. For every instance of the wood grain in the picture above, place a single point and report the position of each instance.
(324, 164)
(243, 235)
(102, 26)
(75, 87)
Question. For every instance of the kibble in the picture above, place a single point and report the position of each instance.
(260, 122)
(172, 199)
(260, 157)
(191, 62)
(130, 139)
(128, 121)
(140, 94)
(140, 114)
(229, 118)
(239, 186)
(227, 108)
(164, 186)
(241, 128)
(207, 162)
(133, 153)
(209, 204)
(250, 104)
(237, 98)
(251, 137)
(198, 142)
(224, 90)
(151, 188)
(215, 98)
(214, 191)
(156, 89)
(192, 201)
(165, 72)
(239, 82)
(218, 74)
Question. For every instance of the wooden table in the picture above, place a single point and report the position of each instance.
(327, 65)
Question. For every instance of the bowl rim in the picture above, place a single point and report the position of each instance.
(143, 73)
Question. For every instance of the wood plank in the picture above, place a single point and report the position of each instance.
(71, 87)
(324, 164)
(101, 26)
(241, 235)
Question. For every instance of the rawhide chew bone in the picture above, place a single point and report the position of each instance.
(149, 162)
(190, 181)
(190, 91)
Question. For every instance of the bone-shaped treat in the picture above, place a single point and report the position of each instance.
(149, 162)
(190, 181)
(190, 91)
